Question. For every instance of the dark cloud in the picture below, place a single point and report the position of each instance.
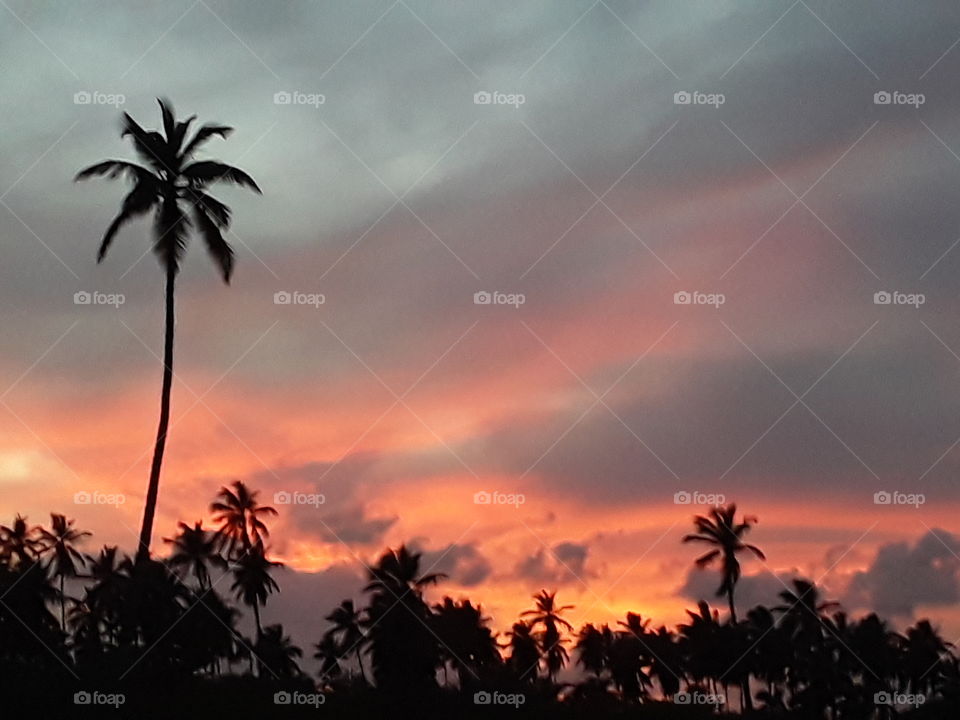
(327, 501)
(904, 576)
(564, 563)
(464, 564)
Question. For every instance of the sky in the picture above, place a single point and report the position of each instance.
(595, 407)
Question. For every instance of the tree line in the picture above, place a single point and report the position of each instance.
(115, 623)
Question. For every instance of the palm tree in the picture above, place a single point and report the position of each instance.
(18, 542)
(252, 580)
(925, 657)
(239, 515)
(346, 633)
(629, 654)
(60, 542)
(277, 652)
(404, 648)
(167, 181)
(329, 653)
(721, 530)
(524, 652)
(104, 598)
(466, 641)
(547, 614)
(701, 643)
(195, 549)
(593, 648)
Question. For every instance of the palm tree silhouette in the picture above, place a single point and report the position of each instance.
(593, 648)
(253, 582)
(721, 530)
(60, 542)
(629, 655)
(524, 652)
(702, 643)
(277, 652)
(398, 617)
(239, 515)
(329, 653)
(547, 614)
(346, 634)
(466, 642)
(195, 550)
(168, 180)
(925, 657)
(19, 542)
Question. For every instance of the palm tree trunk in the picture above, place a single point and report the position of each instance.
(63, 612)
(363, 673)
(746, 701)
(256, 617)
(153, 488)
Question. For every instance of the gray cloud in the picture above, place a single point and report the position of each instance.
(904, 576)
(564, 563)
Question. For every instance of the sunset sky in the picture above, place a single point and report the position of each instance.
(597, 198)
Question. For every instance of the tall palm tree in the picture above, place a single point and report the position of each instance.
(720, 530)
(346, 633)
(195, 550)
(546, 613)
(167, 182)
(60, 541)
(239, 515)
(252, 581)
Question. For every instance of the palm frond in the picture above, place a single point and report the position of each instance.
(218, 248)
(138, 202)
(149, 145)
(203, 134)
(202, 173)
